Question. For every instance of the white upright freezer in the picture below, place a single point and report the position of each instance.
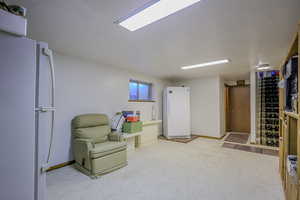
(27, 117)
(176, 112)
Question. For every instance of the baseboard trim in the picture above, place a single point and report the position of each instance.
(221, 138)
(61, 165)
(211, 137)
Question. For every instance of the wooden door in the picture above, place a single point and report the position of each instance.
(227, 109)
(239, 103)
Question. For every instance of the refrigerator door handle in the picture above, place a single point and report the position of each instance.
(47, 52)
(168, 106)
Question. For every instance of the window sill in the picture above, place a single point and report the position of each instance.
(141, 101)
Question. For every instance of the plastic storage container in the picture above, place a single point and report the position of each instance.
(132, 127)
(13, 24)
(292, 165)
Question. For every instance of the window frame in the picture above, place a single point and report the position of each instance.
(150, 92)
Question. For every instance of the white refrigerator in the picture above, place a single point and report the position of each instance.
(27, 117)
(176, 112)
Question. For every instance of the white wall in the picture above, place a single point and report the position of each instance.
(207, 106)
(253, 106)
(84, 87)
(222, 106)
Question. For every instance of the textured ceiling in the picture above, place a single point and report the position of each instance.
(244, 31)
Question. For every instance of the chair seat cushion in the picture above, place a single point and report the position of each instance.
(106, 148)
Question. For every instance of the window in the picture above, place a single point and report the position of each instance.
(140, 91)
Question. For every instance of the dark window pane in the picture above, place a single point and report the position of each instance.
(133, 91)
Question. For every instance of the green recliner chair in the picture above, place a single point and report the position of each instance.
(96, 149)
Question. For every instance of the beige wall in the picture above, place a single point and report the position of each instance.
(222, 106)
(84, 87)
(207, 106)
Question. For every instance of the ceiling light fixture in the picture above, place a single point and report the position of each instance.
(206, 64)
(263, 68)
(261, 64)
(153, 11)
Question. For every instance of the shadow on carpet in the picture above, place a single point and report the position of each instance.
(252, 149)
(180, 140)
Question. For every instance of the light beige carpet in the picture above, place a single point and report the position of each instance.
(199, 170)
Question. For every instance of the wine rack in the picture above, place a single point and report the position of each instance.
(267, 103)
(289, 120)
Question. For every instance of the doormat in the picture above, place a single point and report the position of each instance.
(237, 138)
(180, 140)
(252, 149)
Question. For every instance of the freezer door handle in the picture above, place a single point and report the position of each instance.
(49, 54)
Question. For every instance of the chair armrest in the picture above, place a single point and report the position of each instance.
(84, 144)
(115, 136)
(81, 150)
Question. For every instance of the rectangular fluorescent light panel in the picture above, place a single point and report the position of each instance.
(263, 68)
(156, 11)
(206, 64)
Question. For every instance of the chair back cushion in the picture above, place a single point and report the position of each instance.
(97, 133)
(90, 120)
(91, 126)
